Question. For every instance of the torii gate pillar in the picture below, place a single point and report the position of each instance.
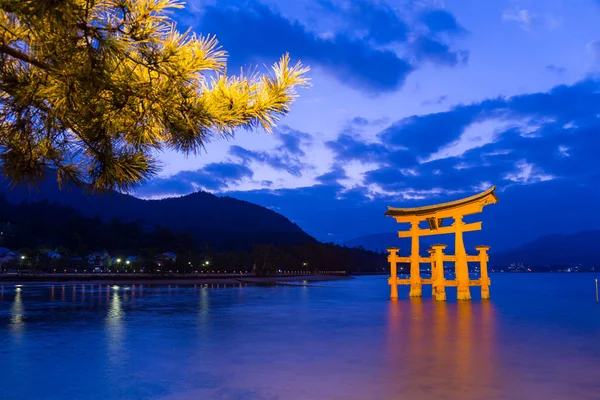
(438, 281)
(393, 280)
(483, 268)
(460, 265)
(416, 288)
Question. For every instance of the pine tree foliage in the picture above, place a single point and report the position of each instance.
(96, 88)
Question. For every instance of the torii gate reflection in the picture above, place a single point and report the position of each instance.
(435, 216)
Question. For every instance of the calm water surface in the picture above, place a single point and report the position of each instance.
(538, 338)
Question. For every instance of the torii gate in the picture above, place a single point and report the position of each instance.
(435, 216)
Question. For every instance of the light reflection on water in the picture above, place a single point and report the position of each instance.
(16, 319)
(536, 338)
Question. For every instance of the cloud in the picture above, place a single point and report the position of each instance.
(212, 177)
(277, 161)
(555, 69)
(382, 25)
(433, 51)
(593, 49)
(521, 16)
(333, 177)
(427, 133)
(441, 21)
(359, 122)
(527, 173)
(292, 140)
(359, 52)
(437, 101)
(255, 33)
(518, 140)
(527, 19)
(348, 148)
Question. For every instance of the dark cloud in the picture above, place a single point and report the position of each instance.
(565, 144)
(554, 136)
(359, 122)
(555, 69)
(254, 33)
(381, 23)
(434, 51)
(348, 148)
(441, 21)
(332, 177)
(212, 177)
(384, 26)
(439, 100)
(278, 161)
(292, 140)
(425, 134)
(579, 102)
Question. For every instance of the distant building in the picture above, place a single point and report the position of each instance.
(53, 255)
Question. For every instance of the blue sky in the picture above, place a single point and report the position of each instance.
(413, 102)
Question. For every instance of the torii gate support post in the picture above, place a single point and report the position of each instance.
(393, 280)
(483, 268)
(434, 271)
(416, 288)
(461, 268)
(439, 284)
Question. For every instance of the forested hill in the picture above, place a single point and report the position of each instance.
(224, 222)
(43, 226)
(33, 229)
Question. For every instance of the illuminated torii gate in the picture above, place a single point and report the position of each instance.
(435, 216)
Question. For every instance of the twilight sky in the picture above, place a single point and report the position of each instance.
(413, 102)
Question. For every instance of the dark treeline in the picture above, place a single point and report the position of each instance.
(33, 229)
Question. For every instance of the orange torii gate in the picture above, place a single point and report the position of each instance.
(435, 216)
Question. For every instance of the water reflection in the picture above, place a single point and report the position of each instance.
(431, 349)
(16, 321)
(114, 328)
(204, 311)
(297, 343)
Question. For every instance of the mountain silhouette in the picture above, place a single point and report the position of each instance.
(223, 222)
(556, 250)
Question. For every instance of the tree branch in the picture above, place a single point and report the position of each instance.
(22, 56)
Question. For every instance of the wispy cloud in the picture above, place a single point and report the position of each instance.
(519, 15)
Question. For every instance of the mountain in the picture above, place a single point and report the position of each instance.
(224, 222)
(555, 250)
(375, 242)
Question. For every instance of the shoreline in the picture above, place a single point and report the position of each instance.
(121, 279)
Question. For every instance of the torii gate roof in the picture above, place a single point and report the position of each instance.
(466, 206)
